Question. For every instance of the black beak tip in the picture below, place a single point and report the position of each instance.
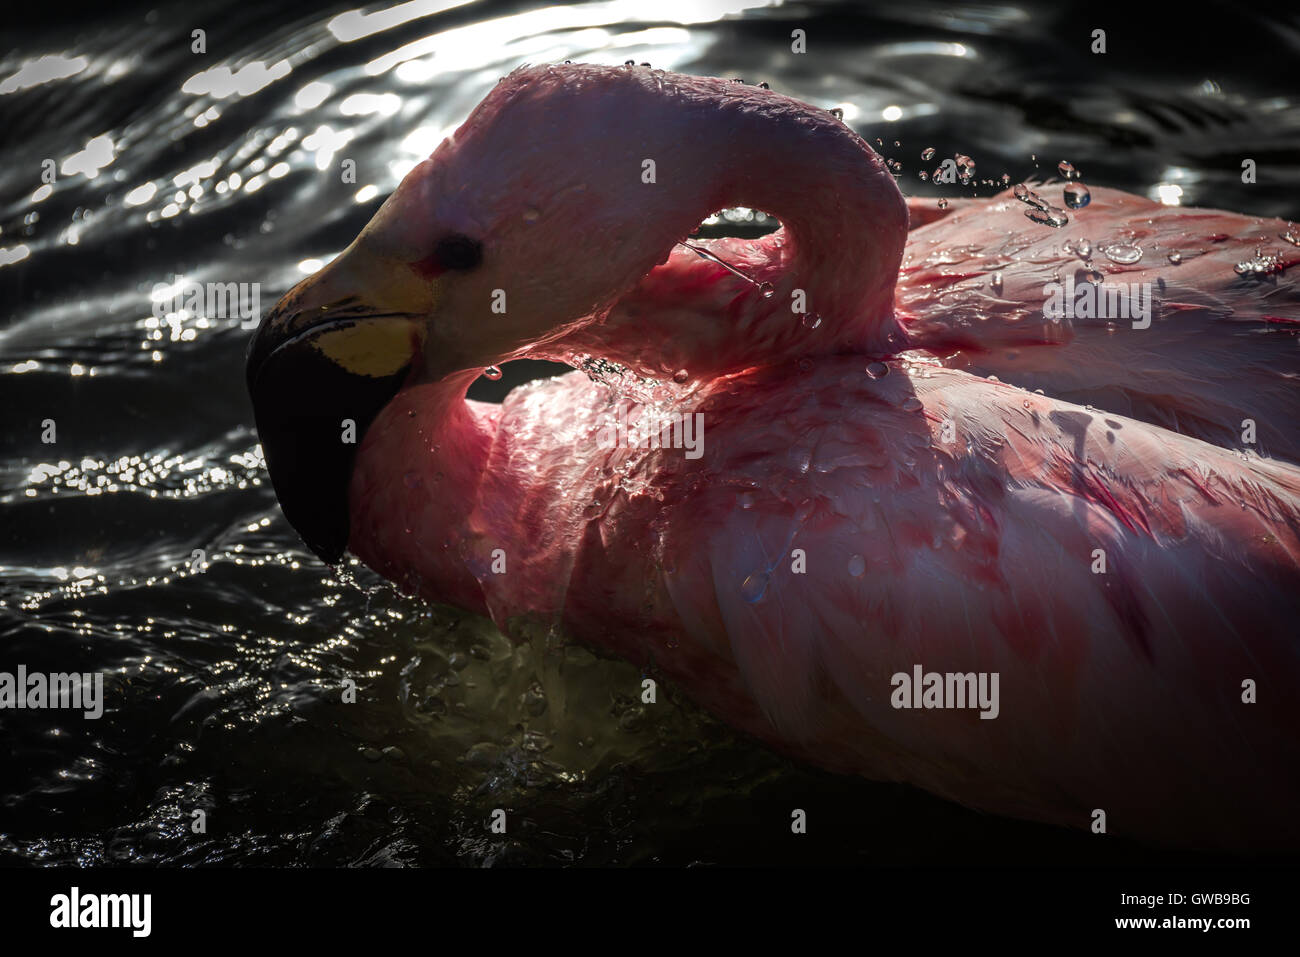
(311, 416)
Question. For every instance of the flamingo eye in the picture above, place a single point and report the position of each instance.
(458, 252)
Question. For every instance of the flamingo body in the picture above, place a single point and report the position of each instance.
(868, 498)
(1119, 690)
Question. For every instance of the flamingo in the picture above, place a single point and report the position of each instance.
(876, 491)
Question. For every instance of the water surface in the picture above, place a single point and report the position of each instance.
(145, 542)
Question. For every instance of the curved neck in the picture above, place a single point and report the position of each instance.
(844, 220)
(718, 144)
(417, 476)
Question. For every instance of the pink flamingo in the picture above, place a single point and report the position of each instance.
(858, 508)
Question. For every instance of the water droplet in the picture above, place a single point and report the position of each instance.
(1123, 253)
(530, 214)
(1067, 170)
(911, 404)
(764, 86)
(1077, 195)
(492, 372)
(896, 143)
(765, 290)
(1048, 216)
(1263, 264)
(753, 587)
(857, 565)
(629, 62)
(927, 154)
(1084, 249)
(1094, 276)
(1175, 257)
(839, 115)
(1040, 211)
(703, 253)
(811, 320)
(877, 370)
(1290, 236)
(681, 375)
(1025, 403)
(925, 177)
(943, 204)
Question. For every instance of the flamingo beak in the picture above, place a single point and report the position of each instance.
(322, 365)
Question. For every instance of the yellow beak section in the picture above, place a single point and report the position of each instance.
(372, 348)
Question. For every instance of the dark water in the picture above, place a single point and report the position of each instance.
(145, 541)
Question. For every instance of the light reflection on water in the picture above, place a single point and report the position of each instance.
(145, 541)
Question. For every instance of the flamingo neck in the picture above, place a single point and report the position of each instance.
(417, 472)
(832, 266)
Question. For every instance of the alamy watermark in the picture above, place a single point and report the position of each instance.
(1098, 300)
(74, 910)
(38, 690)
(933, 689)
(653, 430)
(209, 300)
